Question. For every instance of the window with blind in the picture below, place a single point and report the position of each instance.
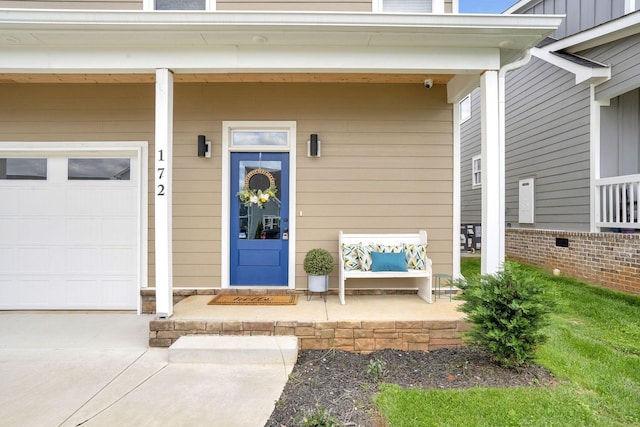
(411, 6)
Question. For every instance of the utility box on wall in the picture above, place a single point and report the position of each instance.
(470, 237)
(526, 199)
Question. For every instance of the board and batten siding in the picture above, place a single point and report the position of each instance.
(547, 137)
(624, 58)
(470, 146)
(386, 165)
(580, 15)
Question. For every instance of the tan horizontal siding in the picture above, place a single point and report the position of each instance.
(448, 6)
(83, 4)
(386, 162)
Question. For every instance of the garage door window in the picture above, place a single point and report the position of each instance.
(27, 169)
(99, 169)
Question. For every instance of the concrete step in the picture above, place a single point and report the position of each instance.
(234, 350)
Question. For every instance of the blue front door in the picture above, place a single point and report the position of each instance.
(259, 229)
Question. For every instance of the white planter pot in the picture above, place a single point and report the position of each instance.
(317, 283)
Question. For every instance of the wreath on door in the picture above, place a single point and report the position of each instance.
(259, 197)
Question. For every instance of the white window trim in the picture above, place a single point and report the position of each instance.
(465, 117)
(474, 183)
(630, 6)
(210, 5)
(225, 216)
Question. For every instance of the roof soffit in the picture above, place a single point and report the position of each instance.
(56, 28)
(69, 33)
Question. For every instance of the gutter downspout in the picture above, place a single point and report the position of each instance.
(502, 144)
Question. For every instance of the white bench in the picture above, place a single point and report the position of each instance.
(420, 238)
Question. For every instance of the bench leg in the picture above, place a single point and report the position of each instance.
(341, 291)
(424, 290)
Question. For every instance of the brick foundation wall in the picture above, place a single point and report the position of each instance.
(355, 336)
(611, 260)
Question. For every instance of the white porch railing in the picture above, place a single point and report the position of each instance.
(617, 202)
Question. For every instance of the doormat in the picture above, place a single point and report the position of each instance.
(239, 299)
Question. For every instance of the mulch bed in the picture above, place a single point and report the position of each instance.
(341, 382)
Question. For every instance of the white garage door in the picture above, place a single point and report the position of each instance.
(69, 231)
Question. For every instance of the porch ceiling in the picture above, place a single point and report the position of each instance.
(226, 78)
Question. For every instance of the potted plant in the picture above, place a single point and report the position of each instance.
(318, 263)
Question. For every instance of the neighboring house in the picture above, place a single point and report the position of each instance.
(572, 181)
(104, 114)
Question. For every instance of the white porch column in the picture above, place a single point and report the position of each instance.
(163, 191)
(437, 6)
(493, 216)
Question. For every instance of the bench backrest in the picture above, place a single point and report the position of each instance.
(383, 239)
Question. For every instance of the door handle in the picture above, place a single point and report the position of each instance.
(285, 234)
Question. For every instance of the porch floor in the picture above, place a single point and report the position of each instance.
(364, 324)
(315, 309)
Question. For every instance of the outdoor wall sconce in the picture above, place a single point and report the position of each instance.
(204, 146)
(313, 146)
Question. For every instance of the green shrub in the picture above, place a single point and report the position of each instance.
(508, 311)
(318, 262)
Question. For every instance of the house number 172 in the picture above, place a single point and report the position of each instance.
(161, 175)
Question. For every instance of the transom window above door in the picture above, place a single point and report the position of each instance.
(259, 138)
(179, 4)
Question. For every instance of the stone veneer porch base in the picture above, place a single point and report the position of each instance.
(355, 336)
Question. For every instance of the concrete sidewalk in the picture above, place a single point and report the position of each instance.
(96, 369)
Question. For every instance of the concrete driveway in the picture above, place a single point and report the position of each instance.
(96, 369)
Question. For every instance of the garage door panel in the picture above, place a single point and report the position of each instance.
(10, 199)
(115, 291)
(83, 202)
(118, 231)
(34, 292)
(39, 230)
(8, 230)
(8, 261)
(118, 202)
(84, 293)
(82, 260)
(117, 260)
(34, 260)
(82, 230)
(41, 200)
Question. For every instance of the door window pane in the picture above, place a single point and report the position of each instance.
(259, 208)
(28, 169)
(99, 169)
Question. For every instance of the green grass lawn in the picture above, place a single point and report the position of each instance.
(593, 350)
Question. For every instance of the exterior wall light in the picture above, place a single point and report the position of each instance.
(313, 146)
(204, 146)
